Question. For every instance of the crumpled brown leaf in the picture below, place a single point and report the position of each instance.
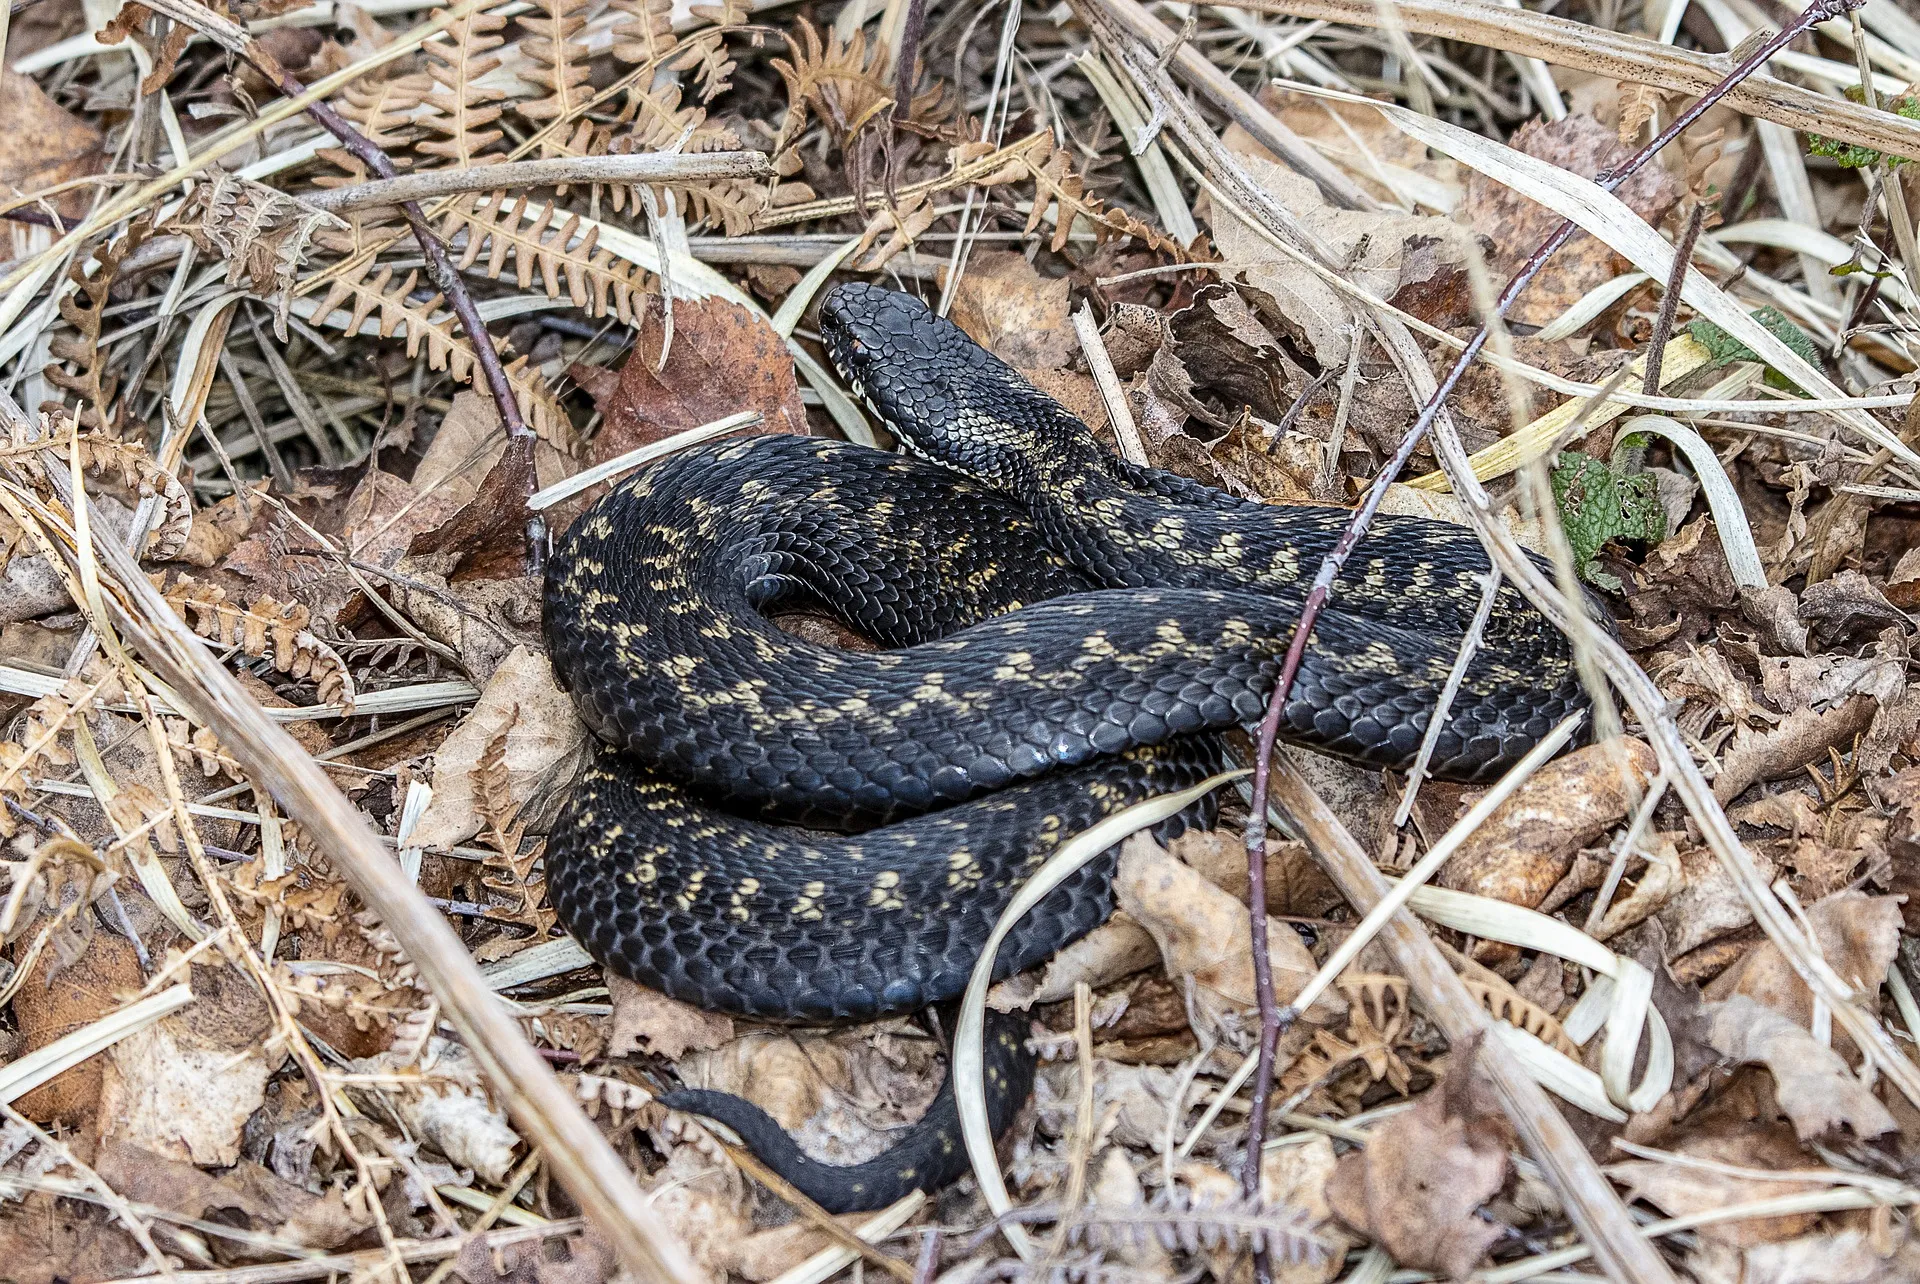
(542, 735)
(1584, 146)
(43, 145)
(723, 359)
(1205, 937)
(839, 1094)
(1529, 842)
(1416, 1187)
(184, 1086)
(1680, 1189)
(1857, 935)
(1814, 1085)
(246, 1195)
(448, 1107)
(589, 1259)
(646, 1020)
(1381, 253)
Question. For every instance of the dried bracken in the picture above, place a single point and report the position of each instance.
(263, 235)
(305, 409)
(567, 264)
(273, 630)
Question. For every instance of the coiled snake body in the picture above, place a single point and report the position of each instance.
(1061, 632)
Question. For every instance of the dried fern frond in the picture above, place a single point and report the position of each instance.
(458, 108)
(385, 110)
(706, 55)
(200, 747)
(616, 1095)
(91, 379)
(43, 726)
(357, 294)
(1179, 1223)
(1059, 186)
(560, 64)
(124, 466)
(307, 903)
(368, 1003)
(262, 234)
(591, 278)
(843, 83)
(644, 33)
(1510, 1006)
(268, 629)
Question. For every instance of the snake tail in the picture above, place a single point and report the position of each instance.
(928, 1156)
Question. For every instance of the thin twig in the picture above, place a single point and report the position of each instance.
(234, 38)
(1670, 301)
(1363, 518)
(637, 167)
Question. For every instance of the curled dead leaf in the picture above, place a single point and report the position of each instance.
(1529, 842)
(1417, 1187)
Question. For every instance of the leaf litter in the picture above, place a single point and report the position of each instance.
(274, 405)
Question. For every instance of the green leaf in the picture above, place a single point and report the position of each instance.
(1853, 155)
(1724, 348)
(1598, 504)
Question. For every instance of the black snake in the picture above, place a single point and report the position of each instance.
(1061, 632)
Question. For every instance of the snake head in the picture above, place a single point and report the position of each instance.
(942, 395)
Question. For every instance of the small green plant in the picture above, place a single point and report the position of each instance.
(1724, 348)
(1853, 155)
(1600, 502)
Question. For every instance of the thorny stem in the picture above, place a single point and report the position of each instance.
(1272, 1018)
(446, 278)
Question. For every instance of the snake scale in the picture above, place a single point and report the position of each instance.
(789, 831)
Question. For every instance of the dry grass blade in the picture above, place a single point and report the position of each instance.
(1545, 1131)
(577, 1153)
(1618, 56)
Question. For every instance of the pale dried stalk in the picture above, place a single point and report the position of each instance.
(1589, 1197)
(356, 1265)
(641, 167)
(580, 1157)
(1596, 1211)
(1244, 109)
(1618, 57)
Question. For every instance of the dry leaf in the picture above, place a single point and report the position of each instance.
(647, 1021)
(1416, 1187)
(1376, 252)
(1582, 145)
(1205, 936)
(184, 1086)
(723, 359)
(588, 1259)
(246, 1195)
(1857, 936)
(1529, 842)
(448, 1107)
(1013, 312)
(839, 1094)
(1680, 1189)
(1297, 1177)
(542, 733)
(1816, 1088)
(56, 1000)
(43, 145)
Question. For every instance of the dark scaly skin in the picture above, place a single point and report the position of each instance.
(656, 618)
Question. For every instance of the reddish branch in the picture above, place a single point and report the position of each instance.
(1272, 1017)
